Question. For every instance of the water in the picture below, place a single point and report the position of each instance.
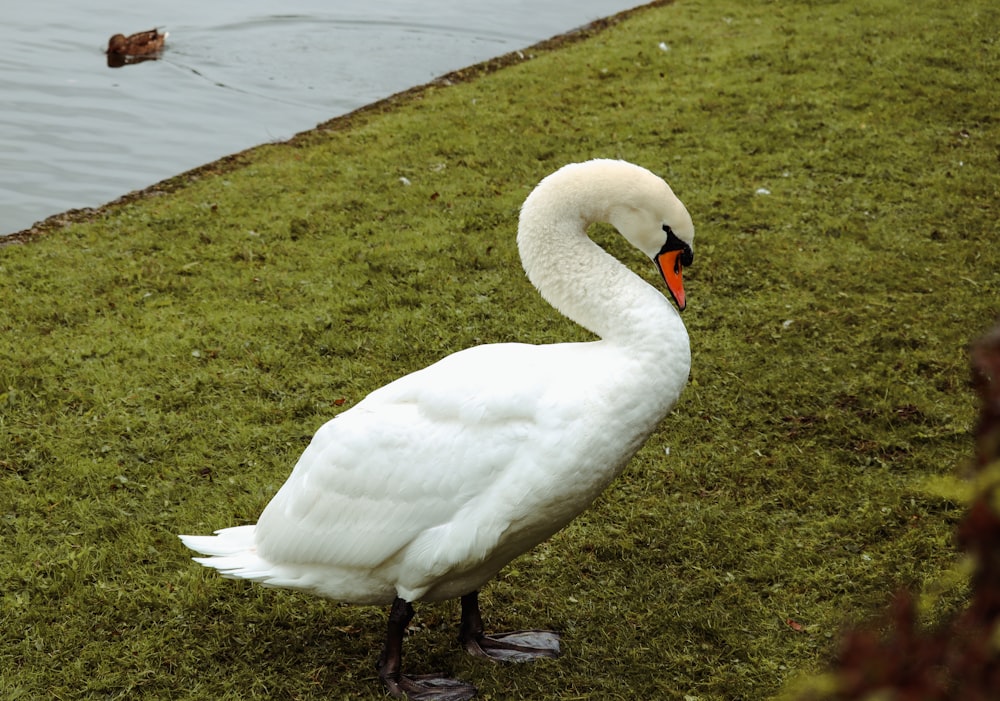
(76, 133)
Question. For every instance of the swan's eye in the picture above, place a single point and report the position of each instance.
(674, 243)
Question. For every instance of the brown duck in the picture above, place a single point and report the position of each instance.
(141, 45)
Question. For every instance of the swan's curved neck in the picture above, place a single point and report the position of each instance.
(586, 284)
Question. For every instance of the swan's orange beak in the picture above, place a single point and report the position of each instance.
(670, 267)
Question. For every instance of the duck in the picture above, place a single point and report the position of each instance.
(140, 44)
(426, 488)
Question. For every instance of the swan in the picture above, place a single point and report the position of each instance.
(426, 488)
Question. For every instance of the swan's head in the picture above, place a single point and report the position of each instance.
(651, 218)
(639, 204)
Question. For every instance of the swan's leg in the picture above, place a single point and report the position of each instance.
(519, 646)
(428, 687)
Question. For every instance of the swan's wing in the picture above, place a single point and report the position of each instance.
(406, 461)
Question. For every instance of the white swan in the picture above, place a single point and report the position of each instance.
(431, 484)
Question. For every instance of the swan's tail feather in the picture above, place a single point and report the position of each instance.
(233, 552)
(228, 541)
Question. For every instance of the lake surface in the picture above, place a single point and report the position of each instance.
(76, 133)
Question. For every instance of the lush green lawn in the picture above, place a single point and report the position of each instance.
(162, 366)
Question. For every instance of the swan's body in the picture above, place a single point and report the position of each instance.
(431, 484)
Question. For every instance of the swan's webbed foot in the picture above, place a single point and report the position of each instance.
(518, 646)
(426, 687)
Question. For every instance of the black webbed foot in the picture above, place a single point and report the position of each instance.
(425, 687)
(519, 646)
(429, 687)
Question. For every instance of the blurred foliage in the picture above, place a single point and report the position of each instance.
(959, 658)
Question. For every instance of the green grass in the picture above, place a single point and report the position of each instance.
(163, 364)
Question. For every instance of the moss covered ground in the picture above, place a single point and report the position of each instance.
(163, 361)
